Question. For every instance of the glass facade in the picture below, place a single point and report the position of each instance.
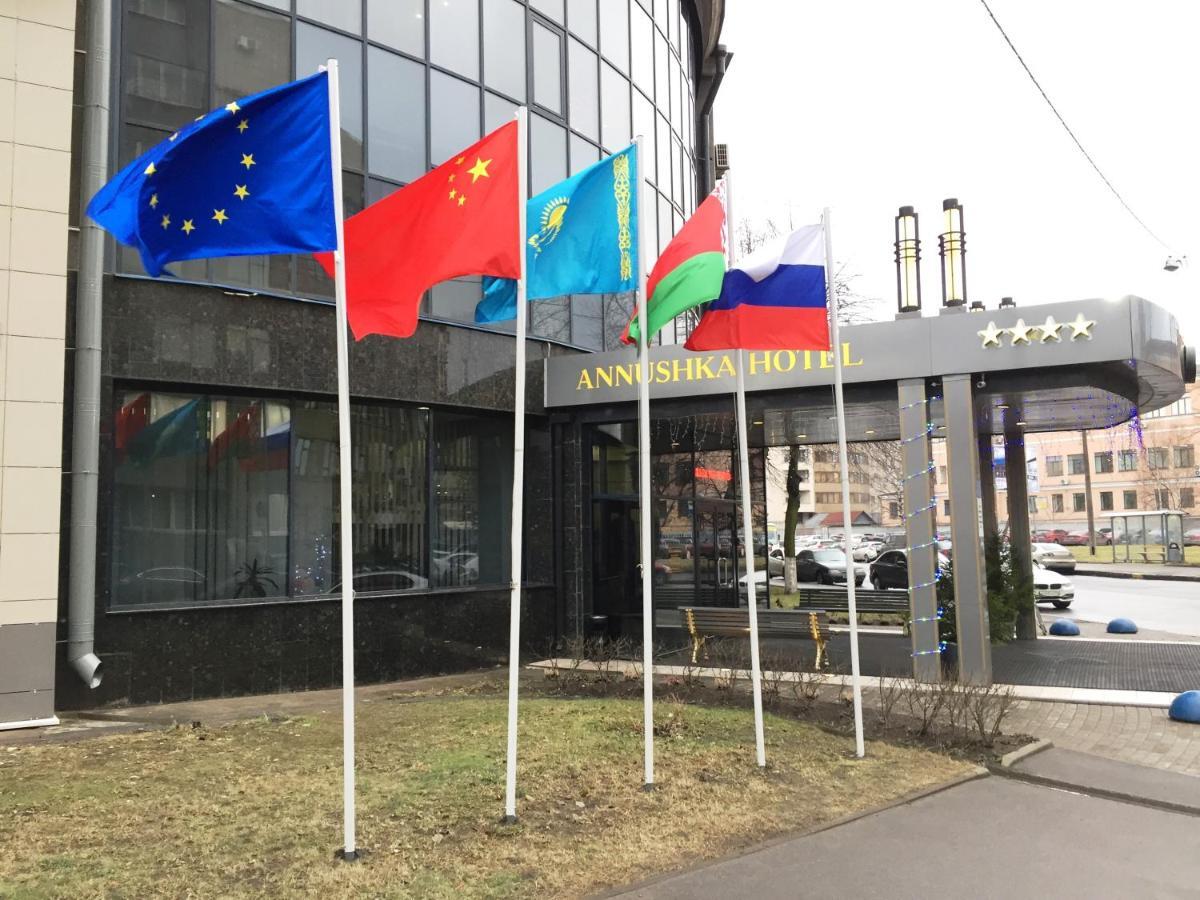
(223, 498)
(420, 79)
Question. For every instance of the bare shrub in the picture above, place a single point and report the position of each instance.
(890, 691)
(730, 659)
(805, 689)
(987, 708)
(772, 664)
(954, 706)
(924, 702)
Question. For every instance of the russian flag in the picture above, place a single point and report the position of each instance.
(774, 299)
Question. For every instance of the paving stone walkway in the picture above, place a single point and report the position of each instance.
(1131, 734)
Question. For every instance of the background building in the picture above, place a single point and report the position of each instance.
(37, 65)
(218, 524)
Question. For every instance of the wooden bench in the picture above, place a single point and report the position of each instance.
(704, 622)
(865, 600)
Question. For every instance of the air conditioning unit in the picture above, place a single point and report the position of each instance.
(721, 152)
(246, 43)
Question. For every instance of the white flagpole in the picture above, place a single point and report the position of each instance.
(518, 495)
(747, 512)
(345, 472)
(644, 478)
(843, 461)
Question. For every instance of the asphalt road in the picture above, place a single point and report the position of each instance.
(1171, 606)
(992, 838)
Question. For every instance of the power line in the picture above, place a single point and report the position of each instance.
(1067, 127)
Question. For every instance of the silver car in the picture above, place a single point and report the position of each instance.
(1055, 557)
(1051, 588)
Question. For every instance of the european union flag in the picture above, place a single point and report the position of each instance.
(251, 177)
(583, 239)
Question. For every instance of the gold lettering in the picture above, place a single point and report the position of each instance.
(625, 373)
(661, 371)
(678, 369)
(703, 367)
(691, 368)
(846, 356)
(826, 359)
(585, 381)
(760, 359)
(784, 360)
(604, 376)
(807, 360)
(726, 367)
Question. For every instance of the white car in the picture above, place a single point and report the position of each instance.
(867, 551)
(1050, 587)
(1054, 556)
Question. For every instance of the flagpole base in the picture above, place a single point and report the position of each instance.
(348, 856)
(508, 820)
(649, 787)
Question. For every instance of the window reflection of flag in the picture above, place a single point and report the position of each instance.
(131, 419)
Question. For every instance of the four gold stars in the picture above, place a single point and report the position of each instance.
(240, 192)
(1047, 332)
(479, 170)
(248, 160)
(187, 226)
(219, 216)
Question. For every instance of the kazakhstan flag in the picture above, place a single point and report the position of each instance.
(583, 239)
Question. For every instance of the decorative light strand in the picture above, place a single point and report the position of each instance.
(941, 648)
(931, 508)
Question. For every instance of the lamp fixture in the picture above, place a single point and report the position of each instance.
(952, 248)
(1008, 303)
(908, 261)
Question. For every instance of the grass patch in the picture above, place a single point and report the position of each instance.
(254, 809)
(1191, 555)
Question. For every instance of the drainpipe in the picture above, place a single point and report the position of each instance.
(85, 430)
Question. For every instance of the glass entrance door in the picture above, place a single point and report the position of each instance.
(717, 563)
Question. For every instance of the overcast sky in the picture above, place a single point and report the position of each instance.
(867, 105)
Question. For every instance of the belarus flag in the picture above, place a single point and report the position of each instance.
(774, 299)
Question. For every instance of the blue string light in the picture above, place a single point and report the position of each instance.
(930, 508)
(941, 648)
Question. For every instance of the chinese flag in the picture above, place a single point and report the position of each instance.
(459, 219)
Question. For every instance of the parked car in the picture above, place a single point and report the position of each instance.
(826, 567)
(867, 551)
(890, 569)
(1191, 537)
(1054, 557)
(775, 561)
(1051, 535)
(369, 579)
(1080, 539)
(1049, 587)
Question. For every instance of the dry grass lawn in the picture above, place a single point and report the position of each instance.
(253, 809)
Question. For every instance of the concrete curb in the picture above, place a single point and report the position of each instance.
(911, 797)
(1092, 791)
(1138, 576)
(1008, 760)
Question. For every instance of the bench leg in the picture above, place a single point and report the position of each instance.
(697, 646)
(822, 660)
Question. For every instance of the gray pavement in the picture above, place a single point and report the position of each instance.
(1148, 571)
(991, 838)
(1163, 606)
(1106, 777)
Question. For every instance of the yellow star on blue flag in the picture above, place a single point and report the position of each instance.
(270, 152)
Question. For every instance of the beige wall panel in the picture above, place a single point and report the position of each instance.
(31, 501)
(32, 434)
(37, 305)
(28, 567)
(39, 241)
(34, 370)
(44, 178)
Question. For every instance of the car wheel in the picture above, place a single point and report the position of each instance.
(1061, 604)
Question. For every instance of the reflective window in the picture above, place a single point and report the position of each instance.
(395, 115)
(583, 154)
(551, 318)
(642, 48)
(552, 9)
(643, 124)
(547, 68)
(252, 50)
(165, 64)
(456, 300)
(548, 149)
(504, 47)
(472, 491)
(587, 321)
(662, 89)
(581, 19)
(397, 23)
(457, 125)
(614, 32)
(614, 106)
(343, 15)
(664, 156)
(313, 47)
(454, 35)
(585, 93)
(496, 112)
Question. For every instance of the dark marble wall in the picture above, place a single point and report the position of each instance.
(193, 337)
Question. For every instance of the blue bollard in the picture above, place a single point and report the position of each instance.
(1064, 628)
(1186, 707)
(1122, 626)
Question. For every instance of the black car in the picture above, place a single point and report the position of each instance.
(890, 569)
(824, 566)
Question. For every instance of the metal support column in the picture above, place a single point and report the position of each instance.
(987, 489)
(918, 527)
(970, 591)
(1018, 517)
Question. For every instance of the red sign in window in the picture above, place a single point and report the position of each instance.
(713, 474)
